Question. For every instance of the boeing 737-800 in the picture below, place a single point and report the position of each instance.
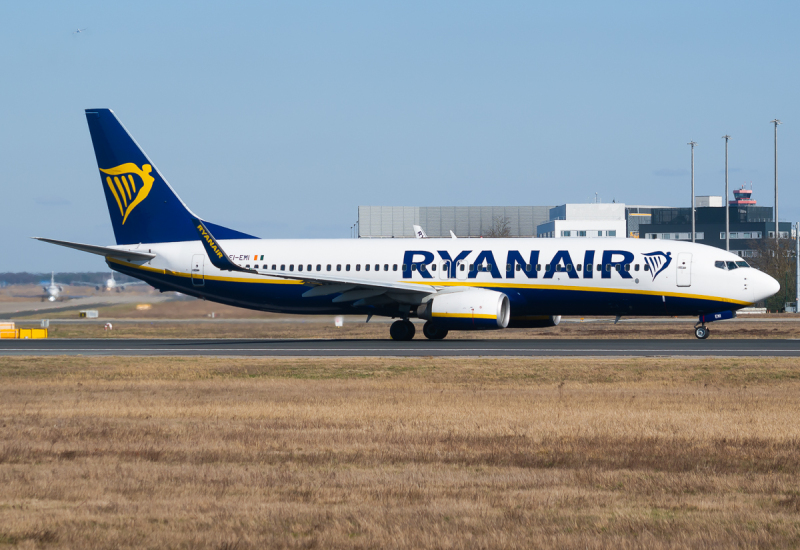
(453, 284)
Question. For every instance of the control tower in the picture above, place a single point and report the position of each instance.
(743, 197)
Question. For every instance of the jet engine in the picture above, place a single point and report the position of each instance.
(473, 309)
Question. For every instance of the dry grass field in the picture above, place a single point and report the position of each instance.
(375, 329)
(401, 453)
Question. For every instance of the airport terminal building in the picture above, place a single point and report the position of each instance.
(749, 223)
(567, 220)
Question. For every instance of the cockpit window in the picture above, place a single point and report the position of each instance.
(731, 265)
(742, 264)
(720, 265)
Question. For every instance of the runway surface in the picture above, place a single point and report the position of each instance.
(389, 348)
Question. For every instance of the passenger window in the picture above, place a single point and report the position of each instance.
(569, 267)
(588, 268)
(528, 267)
(488, 267)
(461, 266)
(329, 267)
(247, 266)
(646, 267)
(338, 267)
(608, 267)
(433, 267)
(404, 267)
(394, 267)
(283, 267)
(720, 265)
(347, 267)
(319, 267)
(472, 267)
(578, 267)
(291, 267)
(358, 267)
(309, 268)
(299, 267)
(519, 267)
(377, 267)
(599, 267)
(423, 267)
(618, 267)
(731, 265)
(386, 267)
(413, 267)
(273, 267)
(627, 267)
(558, 267)
(508, 267)
(547, 267)
(366, 267)
(538, 267)
(636, 267)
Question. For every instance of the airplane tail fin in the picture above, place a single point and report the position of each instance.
(143, 206)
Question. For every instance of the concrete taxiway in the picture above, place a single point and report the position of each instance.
(389, 348)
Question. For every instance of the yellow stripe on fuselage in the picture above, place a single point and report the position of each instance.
(437, 283)
(206, 277)
(582, 289)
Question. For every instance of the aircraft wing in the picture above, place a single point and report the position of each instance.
(327, 284)
(351, 289)
(127, 255)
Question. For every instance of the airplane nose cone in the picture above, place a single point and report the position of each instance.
(765, 287)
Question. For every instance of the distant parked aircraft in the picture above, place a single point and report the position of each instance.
(52, 291)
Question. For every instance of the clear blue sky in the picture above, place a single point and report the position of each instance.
(279, 119)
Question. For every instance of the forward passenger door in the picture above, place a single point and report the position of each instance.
(684, 277)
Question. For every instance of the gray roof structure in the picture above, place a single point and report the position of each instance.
(438, 221)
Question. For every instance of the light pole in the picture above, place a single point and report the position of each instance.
(776, 122)
(692, 143)
(726, 137)
(797, 267)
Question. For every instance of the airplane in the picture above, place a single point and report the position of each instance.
(52, 291)
(452, 284)
(109, 284)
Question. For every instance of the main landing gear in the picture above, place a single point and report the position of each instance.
(433, 331)
(701, 332)
(402, 330)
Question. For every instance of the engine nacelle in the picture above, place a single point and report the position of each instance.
(535, 321)
(474, 309)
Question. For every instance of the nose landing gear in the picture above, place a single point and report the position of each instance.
(701, 332)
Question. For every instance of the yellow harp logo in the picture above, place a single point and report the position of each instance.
(124, 186)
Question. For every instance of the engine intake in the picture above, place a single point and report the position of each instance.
(474, 309)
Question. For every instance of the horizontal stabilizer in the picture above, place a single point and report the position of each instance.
(128, 255)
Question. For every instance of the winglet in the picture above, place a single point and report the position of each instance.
(419, 232)
(214, 251)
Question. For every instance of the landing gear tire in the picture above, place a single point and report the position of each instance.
(433, 332)
(402, 330)
(701, 332)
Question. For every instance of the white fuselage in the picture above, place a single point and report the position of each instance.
(627, 276)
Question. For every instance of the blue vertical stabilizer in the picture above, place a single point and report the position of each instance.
(142, 205)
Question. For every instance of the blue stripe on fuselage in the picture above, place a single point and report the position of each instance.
(279, 297)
